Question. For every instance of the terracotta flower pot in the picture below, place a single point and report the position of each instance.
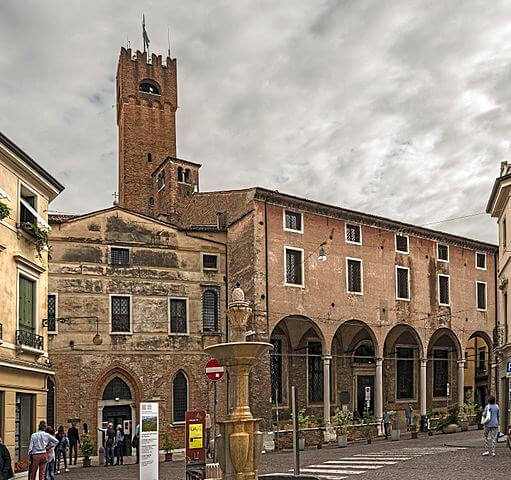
(86, 462)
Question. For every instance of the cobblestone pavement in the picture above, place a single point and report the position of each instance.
(441, 457)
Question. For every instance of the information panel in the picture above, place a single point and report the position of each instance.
(149, 441)
(196, 445)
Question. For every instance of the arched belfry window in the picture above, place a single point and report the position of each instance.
(50, 403)
(117, 389)
(149, 87)
(180, 174)
(179, 398)
(186, 178)
(210, 310)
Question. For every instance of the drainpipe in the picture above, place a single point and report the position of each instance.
(266, 268)
(495, 263)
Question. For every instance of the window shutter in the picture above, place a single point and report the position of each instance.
(26, 304)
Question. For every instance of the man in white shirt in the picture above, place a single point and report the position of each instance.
(40, 442)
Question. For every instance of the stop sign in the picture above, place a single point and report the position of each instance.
(214, 371)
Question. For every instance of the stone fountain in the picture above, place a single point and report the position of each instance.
(240, 442)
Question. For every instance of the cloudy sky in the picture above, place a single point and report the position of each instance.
(399, 108)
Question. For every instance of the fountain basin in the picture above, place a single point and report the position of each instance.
(238, 353)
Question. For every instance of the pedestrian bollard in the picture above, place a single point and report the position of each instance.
(101, 455)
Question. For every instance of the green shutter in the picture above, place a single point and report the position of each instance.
(26, 304)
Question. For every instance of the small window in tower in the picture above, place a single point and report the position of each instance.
(149, 158)
(180, 175)
(187, 175)
(161, 180)
(147, 87)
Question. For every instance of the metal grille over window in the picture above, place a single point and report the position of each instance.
(52, 310)
(294, 221)
(481, 260)
(179, 398)
(121, 314)
(276, 371)
(117, 389)
(443, 285)
(50, 402)
(443, 252)
(355, 276)
(210, 311)
(209, 262)
(440, 372)
(402, 283)
(353, 233)
(402, 243)
(177, 316)
(315, 370)
(119, 256)
(293, 267)
(405, 373)
(481, 296)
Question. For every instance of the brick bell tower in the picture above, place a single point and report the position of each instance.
(146, 117)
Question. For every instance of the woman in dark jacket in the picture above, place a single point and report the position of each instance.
(5, 463)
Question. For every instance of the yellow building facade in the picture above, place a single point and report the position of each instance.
(26, 376)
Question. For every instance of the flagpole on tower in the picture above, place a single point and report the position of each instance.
(145, 37)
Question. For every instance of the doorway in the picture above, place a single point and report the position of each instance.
(24, 425)
(364, 381)
(120, 415)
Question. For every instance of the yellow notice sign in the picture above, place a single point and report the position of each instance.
(195, 435)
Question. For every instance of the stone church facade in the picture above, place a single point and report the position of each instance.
(349, 300)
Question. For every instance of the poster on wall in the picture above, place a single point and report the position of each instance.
(148, 441)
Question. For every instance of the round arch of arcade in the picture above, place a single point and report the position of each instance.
(401, 367)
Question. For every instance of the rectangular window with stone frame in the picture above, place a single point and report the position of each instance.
(354, 275)
(294, 266)
(402, 283)
(178, 316)
(120, 314)
(119, 256)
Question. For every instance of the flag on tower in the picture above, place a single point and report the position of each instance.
(144, 35)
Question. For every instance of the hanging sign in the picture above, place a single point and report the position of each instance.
(148, 441)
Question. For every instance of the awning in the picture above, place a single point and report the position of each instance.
(40, 220)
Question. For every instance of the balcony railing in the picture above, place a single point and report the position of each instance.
(1, 331)
(29, 339)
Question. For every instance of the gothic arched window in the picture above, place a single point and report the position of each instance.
(117, 388)
(210, 310)
(179, 398)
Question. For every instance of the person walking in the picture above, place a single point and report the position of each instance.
(61, 449)
(40, 441)
(6, 471)
(386, 422)
(409, 416)
(50, 466)
(119, 445)
(491, 414)
(74, 440)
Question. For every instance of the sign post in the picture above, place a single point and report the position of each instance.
(368, 398)
(195, 438)
(508, 369)
(148, 441)
(214, 373)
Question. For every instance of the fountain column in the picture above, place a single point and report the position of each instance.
(240, 443)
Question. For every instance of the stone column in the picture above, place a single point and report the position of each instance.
(461, 381)
(423, 395)
(327, 359)
(378, 394)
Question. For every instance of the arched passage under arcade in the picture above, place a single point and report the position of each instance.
(354, 348)
(404, 371)
(445, 369)
(477, 368)
(296, 359)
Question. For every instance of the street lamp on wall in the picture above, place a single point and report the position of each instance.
(97, 339)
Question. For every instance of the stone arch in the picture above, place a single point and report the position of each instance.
(445, 332)
(357, 336)
(394, 334)
(478, 373)
(124, 374)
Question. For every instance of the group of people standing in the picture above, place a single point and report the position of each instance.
(48, 449)
(114, 444)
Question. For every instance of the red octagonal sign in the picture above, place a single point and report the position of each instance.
(214, 371)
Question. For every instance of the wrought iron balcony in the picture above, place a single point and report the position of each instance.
(29, 339)
(1, 331)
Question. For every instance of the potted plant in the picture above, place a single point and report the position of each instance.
(414, 429)
(87, 447)
(4, 211)
(369, 429)
(342, 420)
(449, 423)
(168, 445)
(395, 433)
(303, 420)
(463, 417)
